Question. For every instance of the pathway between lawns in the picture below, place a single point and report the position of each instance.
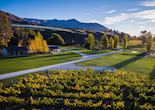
(71, 65)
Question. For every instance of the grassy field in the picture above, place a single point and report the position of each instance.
(22, 63)
(91, 52)
(134, 62)
(137, 45)
(84, 50)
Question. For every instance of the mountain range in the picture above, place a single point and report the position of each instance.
(72, 31)
(71, 23)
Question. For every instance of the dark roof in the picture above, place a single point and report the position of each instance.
(53, 47)
(16, 48)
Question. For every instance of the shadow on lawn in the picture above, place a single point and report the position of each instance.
(126, 62)
(136, 46)
(37, 56)
(152, 74)
(48, 55)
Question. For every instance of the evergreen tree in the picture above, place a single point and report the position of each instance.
(116, 41)
(56, 39)
(21, 36)
(5, 30)
(96, 44)
(86, 42)
(104, 41)
(111, 43)
(91, 41)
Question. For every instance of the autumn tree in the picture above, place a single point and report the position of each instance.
(5, 30)
(104, 41)
(116, 41)
(38, 44)
(91, 41)
(125, 41)
(56, 39)
(111, 43)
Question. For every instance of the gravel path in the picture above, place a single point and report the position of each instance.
(64, 66)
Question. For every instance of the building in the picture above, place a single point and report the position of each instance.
(14, 51)
(54, 49)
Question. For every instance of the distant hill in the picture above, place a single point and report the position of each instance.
(71, 30)
(16, 20)
(71, 36)
(71, 23)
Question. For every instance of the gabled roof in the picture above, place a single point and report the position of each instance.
(53, 47)
(14, 48)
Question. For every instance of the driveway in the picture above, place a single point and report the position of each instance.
(71, 65)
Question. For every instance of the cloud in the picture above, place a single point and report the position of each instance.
(148, 3)
(116, 19)
(147, 15)
(133, 9)
(111, 11)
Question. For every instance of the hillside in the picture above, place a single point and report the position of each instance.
(71, 30)
(71, 36)
(14, 19)
(71, 23)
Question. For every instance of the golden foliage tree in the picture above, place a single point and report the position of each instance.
(5, 30)
(111, 43)
(38, 44)
(125, 41)
(91, 41)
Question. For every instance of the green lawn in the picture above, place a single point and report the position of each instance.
(137, 45)
(86, 51)
(126, 61)
(22, 63)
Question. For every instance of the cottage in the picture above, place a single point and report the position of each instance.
(54, 49)
(14, 51)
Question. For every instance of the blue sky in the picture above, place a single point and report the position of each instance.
(130, 16)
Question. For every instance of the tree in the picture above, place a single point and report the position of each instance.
(91, 41)
(56, 39)
(86, 42)
(5, 30)
(21, 36)
(125, 41)
(104, 40)
(111, 43)
(154, 39)
(97, 44)
(149, 40)
(116, 41)
(143, 37)
(38, 44)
